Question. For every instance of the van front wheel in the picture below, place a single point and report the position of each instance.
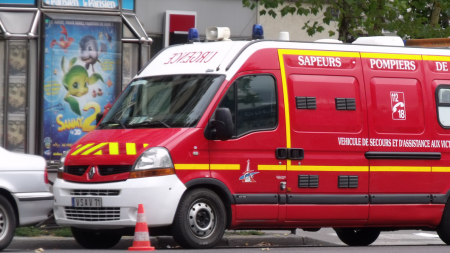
(357, 237)
(200, 220)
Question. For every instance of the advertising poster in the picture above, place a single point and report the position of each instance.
(82, 68)
(17, 97)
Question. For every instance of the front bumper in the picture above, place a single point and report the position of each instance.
(33, 207)
(159, 195)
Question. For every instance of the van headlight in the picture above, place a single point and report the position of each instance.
(61, 164)
(153, 162)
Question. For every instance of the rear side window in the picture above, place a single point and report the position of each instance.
(252, 101)
(443, 105)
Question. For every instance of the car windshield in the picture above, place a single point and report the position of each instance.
(172, 101)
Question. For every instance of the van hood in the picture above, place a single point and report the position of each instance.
(118, 146)
(108, 155)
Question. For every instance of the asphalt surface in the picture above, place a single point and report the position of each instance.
(370, 249)
(410, 241)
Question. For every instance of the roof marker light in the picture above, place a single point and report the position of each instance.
(284, 36)
(258, 32)
(193, 35)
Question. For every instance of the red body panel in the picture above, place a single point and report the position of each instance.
(327, 212)
(317, 132)
(252, 150)
(405, 215)
(440, 181)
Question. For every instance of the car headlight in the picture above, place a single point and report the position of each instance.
(153, 162)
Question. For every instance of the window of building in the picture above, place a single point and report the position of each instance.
(443, 105)
(256, 105)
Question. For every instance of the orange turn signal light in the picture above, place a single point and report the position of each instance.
(60, 175)
(152, 173)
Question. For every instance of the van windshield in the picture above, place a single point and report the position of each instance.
(172, 101)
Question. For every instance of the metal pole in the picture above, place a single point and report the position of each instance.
(5, 96)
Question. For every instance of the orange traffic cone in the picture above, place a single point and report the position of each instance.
(141, 240)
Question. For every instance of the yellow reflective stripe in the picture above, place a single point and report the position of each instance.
(271, 167)
(225, 166)
(281, 52)
(79, 146)
(318, 53)
(440, 169)
(145, 145)
(326, 168)
(87, 152)
(76, 152)
(98, 153)
(391, 56)
(131, 148)
(435, 58)
(400, 169)
(192, 166)
(113, 148)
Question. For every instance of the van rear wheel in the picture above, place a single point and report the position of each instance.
(443, 230)
(200, 220)
(357, 237)
(91, 239)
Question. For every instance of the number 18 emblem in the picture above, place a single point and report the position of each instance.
(398, 105)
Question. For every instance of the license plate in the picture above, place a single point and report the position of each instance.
(87, 202)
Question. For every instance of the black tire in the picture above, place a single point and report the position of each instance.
(443, 230)
(91, 239)
(357, 237)
(200, 220)
(8, 227)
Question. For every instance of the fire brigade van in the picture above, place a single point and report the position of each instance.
(263, 134)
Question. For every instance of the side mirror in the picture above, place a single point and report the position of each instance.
(99, 117)
(221, 127)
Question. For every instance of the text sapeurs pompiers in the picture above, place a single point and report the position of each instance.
(61, 63)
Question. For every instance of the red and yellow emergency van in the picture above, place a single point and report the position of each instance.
(267, 135)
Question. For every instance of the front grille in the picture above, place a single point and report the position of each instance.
(106, 170)
(76, 170)
(93, 213)
(95, 192)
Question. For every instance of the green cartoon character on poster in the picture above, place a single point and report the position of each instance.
(76, 81)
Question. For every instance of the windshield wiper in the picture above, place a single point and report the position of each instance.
(149, 123)
(118, 122)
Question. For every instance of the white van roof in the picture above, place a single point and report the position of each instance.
(227, 57)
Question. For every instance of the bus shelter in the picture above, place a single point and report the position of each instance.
(61, 63)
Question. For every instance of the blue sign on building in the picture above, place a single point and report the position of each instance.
(101, 4)
(128, 4)
(18, 2)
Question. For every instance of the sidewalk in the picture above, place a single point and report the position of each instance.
(271, 238)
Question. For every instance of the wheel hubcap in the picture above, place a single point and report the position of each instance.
(201, 219)
(3, 223)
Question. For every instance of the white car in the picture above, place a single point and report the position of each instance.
(24, 193)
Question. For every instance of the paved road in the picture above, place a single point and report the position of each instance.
(400, 241)
(337, 249)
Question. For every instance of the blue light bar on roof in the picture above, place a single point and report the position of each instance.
(193, 35)
(258, 32)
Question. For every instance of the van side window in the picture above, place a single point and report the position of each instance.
(256, 105)
(443, 105)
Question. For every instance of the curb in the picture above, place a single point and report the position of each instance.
(165, 242)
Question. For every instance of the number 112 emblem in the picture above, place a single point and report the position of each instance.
(398, 105)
